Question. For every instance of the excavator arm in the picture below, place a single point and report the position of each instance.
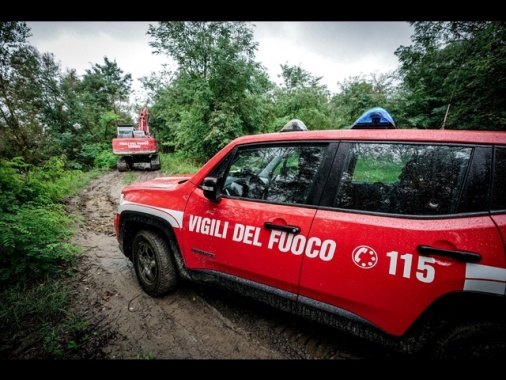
(144, 121)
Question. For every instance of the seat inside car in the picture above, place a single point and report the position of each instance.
(425, 187)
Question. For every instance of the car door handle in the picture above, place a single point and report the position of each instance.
(289, 229)
(470, 257)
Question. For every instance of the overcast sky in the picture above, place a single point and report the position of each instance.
(333, 50)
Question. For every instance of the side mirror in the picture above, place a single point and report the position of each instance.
(212, 188)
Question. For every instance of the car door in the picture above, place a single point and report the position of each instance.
(405, 231)
(256, 231)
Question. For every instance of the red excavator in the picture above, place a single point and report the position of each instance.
(136, 148)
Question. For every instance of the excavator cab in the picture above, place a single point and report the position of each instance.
(125, 131)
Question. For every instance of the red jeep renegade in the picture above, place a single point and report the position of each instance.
(396, 235)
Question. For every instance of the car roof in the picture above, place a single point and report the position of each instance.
(419, 135)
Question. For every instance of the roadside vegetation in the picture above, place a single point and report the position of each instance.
(37, 256)
(38, 259)
(57, 127)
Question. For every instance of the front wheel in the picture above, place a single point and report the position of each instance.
(154, 263)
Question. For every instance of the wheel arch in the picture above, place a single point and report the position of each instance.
(452, 310)
(132, 222)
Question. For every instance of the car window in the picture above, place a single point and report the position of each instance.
(499, 183)
(282, 174)
(414, 179)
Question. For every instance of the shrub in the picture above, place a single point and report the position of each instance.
(105, 160)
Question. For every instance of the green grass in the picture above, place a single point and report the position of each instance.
(35, 322)
(174, 164)
(130, 177)
(25, 300)
(148, 356)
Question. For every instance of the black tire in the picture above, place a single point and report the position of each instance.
(122, 164)
(484, 340)
(153, 262)
(155, 162)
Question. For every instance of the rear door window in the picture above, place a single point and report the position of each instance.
(408, 179)
(499, 182)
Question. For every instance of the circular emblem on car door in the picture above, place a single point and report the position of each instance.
(364, 257)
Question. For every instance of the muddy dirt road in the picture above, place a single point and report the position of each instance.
(195, 322)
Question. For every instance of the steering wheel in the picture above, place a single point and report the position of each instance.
(236, 188)
(257, 187)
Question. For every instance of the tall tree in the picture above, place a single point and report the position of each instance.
(455, 74)
(26, 82)
(105, 88)
(358, 94)
(217, 91)
(301, 96)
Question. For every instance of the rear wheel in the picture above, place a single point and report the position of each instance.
(155, 162)
(484, 340)
(154, 263)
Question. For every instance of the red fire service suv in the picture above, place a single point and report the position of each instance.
(397, 235)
